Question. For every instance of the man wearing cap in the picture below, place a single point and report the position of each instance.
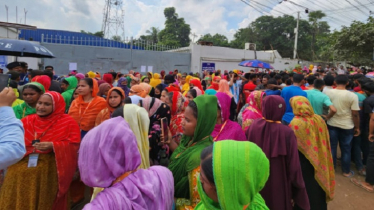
(20, 67)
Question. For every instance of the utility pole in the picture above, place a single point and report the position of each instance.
(296, 35)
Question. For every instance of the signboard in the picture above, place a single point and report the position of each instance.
(209, 67)
(3, 61)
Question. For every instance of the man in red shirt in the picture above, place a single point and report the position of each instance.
(251, 85)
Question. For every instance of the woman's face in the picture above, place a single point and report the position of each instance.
(168, 101)
(106, 91)
(209, 188)
(133, 82)
(124, 82)
(189, 122)
(30, 96)
(189, 96)
(163, 96)
(76, 94)
(114, 99)
(157, 91)
(146, 80)
(83, 88)
(44, 107)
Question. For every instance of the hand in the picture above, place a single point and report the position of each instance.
(43, 146)
(7, 97)
(356, 132)
(371, 137)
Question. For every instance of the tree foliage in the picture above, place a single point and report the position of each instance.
(176, 32)
(354, 43)
(99, 33)
(217, 39)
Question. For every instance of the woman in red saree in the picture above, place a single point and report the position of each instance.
(46, 185)
(178, 103)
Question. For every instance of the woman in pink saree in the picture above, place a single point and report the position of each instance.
(225, 128)
(254, 110)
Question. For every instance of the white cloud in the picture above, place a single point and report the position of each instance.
(204, 16)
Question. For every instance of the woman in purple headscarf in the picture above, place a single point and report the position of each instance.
(225, 128)
(123, 83)
(279, 143)
(109, 158)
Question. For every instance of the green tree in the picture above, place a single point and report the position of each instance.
(153, 34)
(354, 43)
(319, 28)
(176, 32)
(269, 33)
(99, 33)
(217, 39)
(117, 38)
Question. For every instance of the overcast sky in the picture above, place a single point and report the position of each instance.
(204, 16)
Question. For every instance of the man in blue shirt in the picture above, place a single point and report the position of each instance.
(12, 144)
(288, 93)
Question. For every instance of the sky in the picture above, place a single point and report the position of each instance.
(204, 16)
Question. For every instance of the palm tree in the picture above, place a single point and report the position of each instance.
(314, 18)
(153, 34)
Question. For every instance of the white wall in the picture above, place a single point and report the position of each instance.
(229, 58)
(11, 34)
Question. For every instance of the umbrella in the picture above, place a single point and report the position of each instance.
(24, 48)
(256, 64)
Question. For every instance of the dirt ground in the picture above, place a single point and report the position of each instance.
(348, 196)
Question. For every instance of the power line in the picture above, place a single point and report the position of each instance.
(251, 6)
(354, 6)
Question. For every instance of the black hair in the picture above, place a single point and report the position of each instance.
(13, 84)
(65, 82)
(266, 76)
(49, 74)
(277, 77)
(89, 81)
(193, 93)
(160, 87)
(114, 75)
(272, 81)
(358, 76)
(288, 82)
(252, 76)
(318, 83)
(13, 75)
(128, 100)
(341, 79)
(285, 78)
(35, 73)
(246, 75)
(193, 106)
(169, 79)
(311, 79)
(297, 78)
(363, 80)
(49, 67)
(369, 86)
(170, 96)
(120, 75)
(206, 157)
(350, 85)
(31, 86)
(118, 112)
(329, 80)
(272, 74)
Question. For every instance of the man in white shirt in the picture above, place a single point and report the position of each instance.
(345, 123)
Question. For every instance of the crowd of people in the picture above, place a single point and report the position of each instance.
(220, 140)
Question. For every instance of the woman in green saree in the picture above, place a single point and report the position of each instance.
(232, 175)
(198, 124)
(31, 93)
